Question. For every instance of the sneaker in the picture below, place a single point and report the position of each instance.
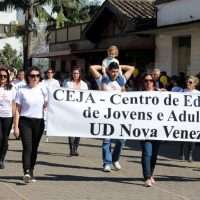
(148, 183)
(107, 168)
(27, 178)
(33, 180)
(116, 165)
(153, 180)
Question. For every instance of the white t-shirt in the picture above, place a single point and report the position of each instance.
(50, 83)
(31, 101)
(106, 62)
(19, 84)
(6, 99)
(192, 91)
(109, 86)
(70, 84)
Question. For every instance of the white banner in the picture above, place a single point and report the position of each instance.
(126, 115)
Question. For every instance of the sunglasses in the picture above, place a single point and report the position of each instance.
(3, 76)
(148, 80)
(34, 75)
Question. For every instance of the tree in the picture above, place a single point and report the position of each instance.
(33, 8)
(9, 57)
(68, 11)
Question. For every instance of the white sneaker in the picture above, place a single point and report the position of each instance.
(107, 168)
(116, 165)
(33, 180)
(27, 178)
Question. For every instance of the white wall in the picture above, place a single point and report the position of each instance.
(178, 11)
(11, 15)
(164, 53)
(165, 49)
(8, 17)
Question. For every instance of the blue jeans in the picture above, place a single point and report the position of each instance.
(108, 156)
(149, 157)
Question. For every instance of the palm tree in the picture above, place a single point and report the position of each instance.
(33, 8)
(68, 11)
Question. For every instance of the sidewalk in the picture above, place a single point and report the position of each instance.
(60, 177)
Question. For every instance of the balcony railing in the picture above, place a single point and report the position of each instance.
(6, 29)
(68, 33)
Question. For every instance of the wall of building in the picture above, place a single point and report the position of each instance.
(178, 12)
(8, 16)
(195, 56)
(166, 50)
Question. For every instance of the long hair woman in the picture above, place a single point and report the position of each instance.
(76, 83)
(30, 103)
(7, 110)
(150, 148)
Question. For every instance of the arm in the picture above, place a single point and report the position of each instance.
(94, 69)
(16, 120)
(128, 70)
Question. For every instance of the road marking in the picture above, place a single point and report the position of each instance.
(172, 193)
(22, 197)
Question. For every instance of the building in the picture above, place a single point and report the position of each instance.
(117, 22)
(177, 36)
(8, 21)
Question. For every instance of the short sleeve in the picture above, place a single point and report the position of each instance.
(44, 91)
(18, 97)
(14, 92)
(84, 85)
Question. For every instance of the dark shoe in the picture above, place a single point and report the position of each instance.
(2, 166)
(76, 153)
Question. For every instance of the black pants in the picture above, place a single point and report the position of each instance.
(73, 144)
(187, 149)
(5, 127)
(31, 130)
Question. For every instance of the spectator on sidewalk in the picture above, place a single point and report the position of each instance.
(187, 148)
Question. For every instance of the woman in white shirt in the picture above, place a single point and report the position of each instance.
(29, 122)
(49, 83)
(187, 148)
(77, 84)
(7, 109)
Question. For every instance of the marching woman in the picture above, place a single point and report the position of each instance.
(7, 110)
(187, 148)
(77, 84)
(29, 122)
(150, 148)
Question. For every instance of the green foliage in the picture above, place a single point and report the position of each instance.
(9, 57)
